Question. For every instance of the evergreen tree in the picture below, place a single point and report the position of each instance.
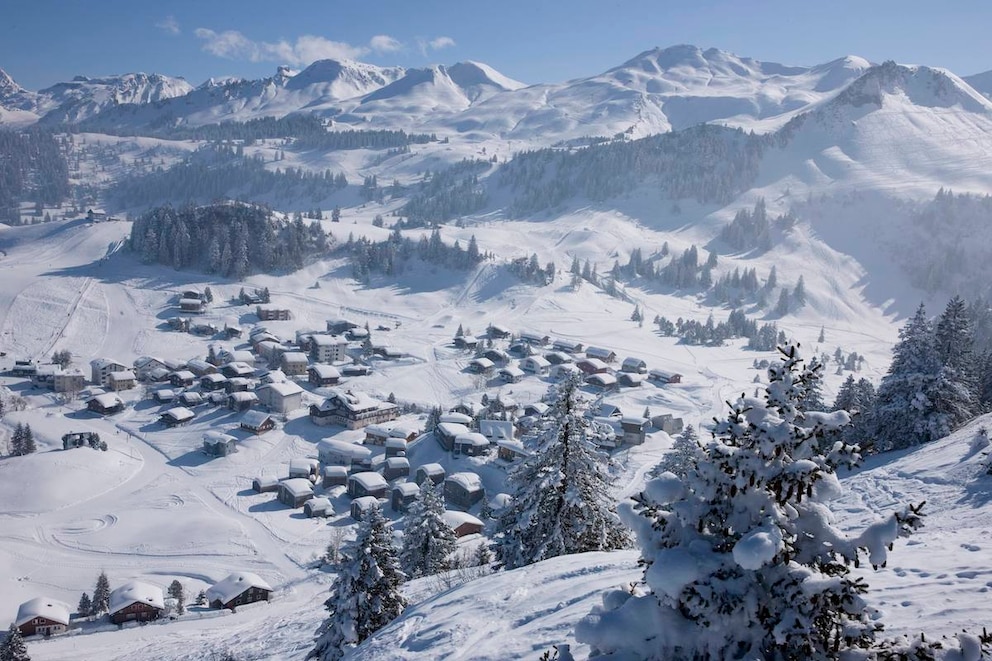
(742, 559)
(822, 337)
(956, 391)
(365, 595)
(201, 598)
(13, 647)
(799, 293)
(176, 592)
(27, 444)
(101, 595)
(782, 307)
(85, 605)
(17, 440)
(561, 502)
(428, 541)
(682, 458)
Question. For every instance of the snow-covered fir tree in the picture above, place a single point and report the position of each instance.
(562, 500)
(13, 647)
(428, 541)
(85, 605)
(365, 596)
(101, 594)
(176, 592)
(685, 452)
(742, 560)
(955, 393)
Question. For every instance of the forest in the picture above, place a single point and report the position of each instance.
(33, 168)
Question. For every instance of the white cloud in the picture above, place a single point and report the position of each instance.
(169, 25)
(233, 45)
(383, 43)
(437, 43)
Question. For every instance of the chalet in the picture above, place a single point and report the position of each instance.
(191, 398)
(471, 444)
(558, 358)
(352, 410)
(270, 351)
(535, 365)
(42, 617)
(144, 365)
(386, 352)
(176, 416)
(318, 507)
(520, 349)
(201, 367)
(123, 380)
(536, 409)
(463, 489)
(602, 381)
(281, 397)
(536, 339)
(446, 432)
(158, 375)
(305, 468)
(377, 434)
(294, 363)
(217, 398)
(607, 410)
(510, 374)
(237, 369)
(182, 378)
(238, 589)
(502, 405)
(567, 346)
(663, 376)
(80, 439)
(559, 372)
(339, 326)
(433, 472)
(634, 365)
(194, 294)
(69, 381)
(334, 476)
(356, 370)
(396, 447)
(634, 429)
(256, 422)
(367, 483)
(511, 450)
(356, 334)
(667, 423)
(342, 453)
(480, 366)
(164, 395)
(323, 375)
(231, 332)
(192, 306)
(468, 408)
(631, 379)
(361, 506)
(396, 467)
(241, 400)
(96, 216)
(456, 418)
(105, 404)
(494, 430)
(265, 484)
(44, 375)
(204, 329)
(179, 324)
(592, 366)
(25, 368)
(272, 376)
(496, 332)
(219, 444)
(466, 342)
(294, 492)
(463, 523)
(237, 384)
(328, 349)
(600, 353)
(403, 495)
(272, 314)
(498, 356)
(235, 356)
(210, 382)
(136, 601)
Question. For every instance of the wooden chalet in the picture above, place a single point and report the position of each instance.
(463, 489)
(211, 382)
(360, 506)
(567, 346)
(42, 616)
(105, 404)
(634, 365)
(396, 467)
(219, 444)
(256, 422)
(403, 495)
(323, 375)
(367, 483)
(294, 492)
(432, 472)
(273, 314)
(471, 444)
(497, 332)
(663, 376)
(281, 397)
(334, 476)
(535, 365)
(352, 410)
(318, 507)
(606, 355)
(592, 366)
(294, 363)
(339, 326)
(480, 366)
(536, 339)
(332, 452)
(238, 589)
(463, 523)
(176, 416)
(602, 381)
(241, 401)
(634, 429)
(136, 601)
(446, 432)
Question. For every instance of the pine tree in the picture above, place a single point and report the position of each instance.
(201, 598)
(561, 501)
(101, 595)
(13, 647)
(27, 444)
(85, 605)
(822, 337)
(17, 440)
(428, 541)
(176, 592)
(682, 458)
(742, 559)
(782, 307)
(956, 390)
(799, 293)
(365, 595)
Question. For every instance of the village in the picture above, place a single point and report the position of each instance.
(257, 389)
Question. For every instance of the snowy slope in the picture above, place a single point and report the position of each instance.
(83, 97)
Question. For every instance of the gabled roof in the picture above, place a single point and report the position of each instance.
(234, 585)
(295, 357)
(297, 486)
(108, 400)
(136, 591)
(283, 388)
(253, 419)
(325, 371)
(472, 438)
(345, 448)
(101, 363)
(50, 609)
(455, 519)
(369, 480)
(179, 414)
(467, 481)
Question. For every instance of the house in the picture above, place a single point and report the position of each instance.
(356, 334)
(567, 346)
(631, 379)
(269, 350)
(68, 381)
(352, 410)
(123, 380)
(235, 356)
(304, 468)
(24, 368)
(494, 430)
(433, 472)
(377, 434)
(510, 374)
(403, 496)
(463, 523)
(602, 381)
(663, 376)
(361, 505)
(498, 356)
(328, 349)
(558, 358)
(463, 489)
(497, 332)
(190, 398)
(480, 366)
(176, 416)
(219, 444)
(211, 382)
(136, 601)
(238, 589)
(318, 507)
(592, 366)
(386, 352)
(105, 404)
(510, 450)
(634, 429)
(182, 378)
(342, 453)
(634, 365)
(396, 467)
(237, 370)
(281, 397)
(367, 483)
(323, 375)
(471, 444)
(468, 408)
(265, 484)
(192, 306)
(559, 372)
(536, 409)
(164, 395)
(256, 422)
(237, 384)
(294, 363)
(455, 418)
(44, 375)
(339, 326)
(334, 476)
(200, 367)
(80, 439)
(158, 375)
(667, 423)
(294, 492)
(42, 616)
(465, 342)
(396, 447)
(502, 405)
(241, 401)
(272, 314)
(446, 432)
(520, 349)
(536, 339)
(144, 365)
(272, 376)
(535, 365)
(356, 370)
(600, 353)
(179, 324)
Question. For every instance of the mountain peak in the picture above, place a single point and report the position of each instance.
(922, 85)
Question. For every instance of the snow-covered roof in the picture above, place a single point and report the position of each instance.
(336, 471)
(595, 363)
(467, 481)
(403, 429)
(191, 397)
(634, 421)
(301, 463)
(179, 414)
(512, 370)
(144, 361)
(295, 357)
(185, 375)
(343, 448)
(631, 360)
(321, 340)
(245, 396)
(602, 379)
(252, 418)
(136, 591)
(320, 504)
(284, 389)
(456, 418)
(165, 393)
(107, 400)
(432, 469)
(396, 443)
(214, 437)
(537, 361)
(365, 502)
(472, 438)
(452, 429)
(101, 363)
(455, 519)
(598, 352)
(398, 462)
(214, 377)
(122, 375)
(234, 585)
(325, 371)
(496, 428)
(407, 488)
(369, 480)
(50, 609)
(297, 486)
(484, 363)
(378, 430)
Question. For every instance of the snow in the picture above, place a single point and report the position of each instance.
(136, 591)
(758, 548)
(236, 583)
(42, 607)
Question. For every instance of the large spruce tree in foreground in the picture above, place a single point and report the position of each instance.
(743, 561)
(562, 499)
(428, 541)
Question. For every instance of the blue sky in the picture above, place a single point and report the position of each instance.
(46, 41)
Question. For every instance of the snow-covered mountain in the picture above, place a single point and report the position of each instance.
(82, 97)
(981, 82)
